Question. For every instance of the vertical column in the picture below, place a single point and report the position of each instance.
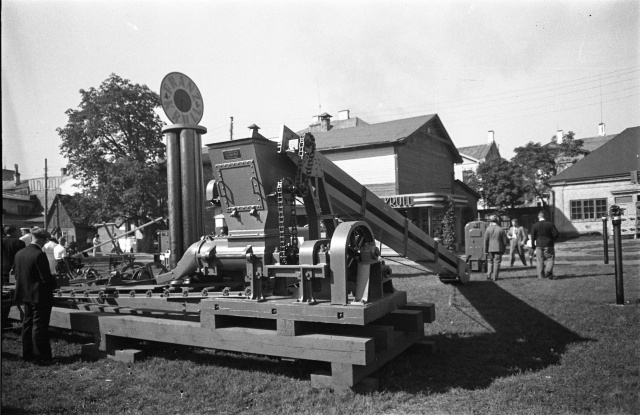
(174, 196)
(605, 240)
(200, 186)
(188, 187)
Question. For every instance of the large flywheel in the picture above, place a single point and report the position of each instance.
(352, 251)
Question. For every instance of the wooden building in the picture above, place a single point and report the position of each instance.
(583, 193)
(472, 156)
(60, 221)
(409, 163)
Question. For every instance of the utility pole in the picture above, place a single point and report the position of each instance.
(231, 130)
(46, 194)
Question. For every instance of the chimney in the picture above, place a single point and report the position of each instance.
(343, 115)
(63, 171)
(559, 136)
(601, 132)
(254, 131)
(17, 175)
(325, 122)
(491, 137)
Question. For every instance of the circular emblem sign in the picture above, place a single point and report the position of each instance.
(181, 99)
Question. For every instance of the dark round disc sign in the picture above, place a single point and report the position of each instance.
(181, 99)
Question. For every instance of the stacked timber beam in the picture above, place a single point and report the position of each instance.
(355, 340)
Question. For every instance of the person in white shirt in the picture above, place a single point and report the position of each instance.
(26, 235)
(59, 251)
(48, 249)
(517, 238)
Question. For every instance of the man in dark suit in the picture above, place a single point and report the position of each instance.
(543, 237)
(495, 243)
(34, 289)
(11, 244)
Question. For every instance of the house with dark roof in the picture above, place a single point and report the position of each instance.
(409, 163)
(589, 144)
(62, 223)
(583, 193)
(472, 156)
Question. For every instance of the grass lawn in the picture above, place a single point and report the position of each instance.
(518, 346)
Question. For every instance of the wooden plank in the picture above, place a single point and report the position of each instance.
(290, 327)
(344, 375)
(323, 311)
(142, 312)
(345, 349)
(428, 310)
(404, 320)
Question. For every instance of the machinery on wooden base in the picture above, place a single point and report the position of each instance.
(257, 187)
(257, 287)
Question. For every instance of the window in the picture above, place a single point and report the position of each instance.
(588, 209)
(23, 210)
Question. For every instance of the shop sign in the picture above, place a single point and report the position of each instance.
(399, 201)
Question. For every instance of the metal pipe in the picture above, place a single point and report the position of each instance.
(605, 239)
(174, 201)
(122, 234)
(199, 187)
(188, 187)
(617, 248)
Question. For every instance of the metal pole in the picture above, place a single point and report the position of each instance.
(122, 234)
(199, 187)
(46, 194)
(174, 201)
(616, 220)
(605, 239)
(188, 187)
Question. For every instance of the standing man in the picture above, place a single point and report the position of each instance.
(543, 236)
(495, 243)
(10, 247)
(96, 242)
(518, 238)
(34, 288)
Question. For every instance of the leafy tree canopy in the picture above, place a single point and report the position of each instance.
(112, 141)
(499, 182)
(539, 163)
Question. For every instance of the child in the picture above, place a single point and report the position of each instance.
(532, 255)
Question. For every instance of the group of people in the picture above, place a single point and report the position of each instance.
(542, 239)
(34, 289)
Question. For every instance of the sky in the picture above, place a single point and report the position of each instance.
(523, 69)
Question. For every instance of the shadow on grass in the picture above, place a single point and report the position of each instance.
(523, 339)
(518, 339)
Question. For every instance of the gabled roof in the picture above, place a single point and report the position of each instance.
(64, 199)
(618, 156)
(477, 152)
(381, 133)
(592, 143)
(339, 124)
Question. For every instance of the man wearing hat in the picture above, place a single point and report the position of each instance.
(34, 289)
(495, 243)
(10, 247)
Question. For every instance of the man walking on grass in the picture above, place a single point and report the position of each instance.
(543, 236)
(495, 243)
(34, 289)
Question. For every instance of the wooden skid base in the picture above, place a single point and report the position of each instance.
(355, 350)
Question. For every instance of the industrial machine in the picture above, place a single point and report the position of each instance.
(257, 187)
(256, 286)
(474, 245)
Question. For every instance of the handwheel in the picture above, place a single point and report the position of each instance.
(347, 244)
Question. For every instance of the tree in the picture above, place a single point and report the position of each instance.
(499, 183)
(539, 163)
(112, 142)
(449, 225)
